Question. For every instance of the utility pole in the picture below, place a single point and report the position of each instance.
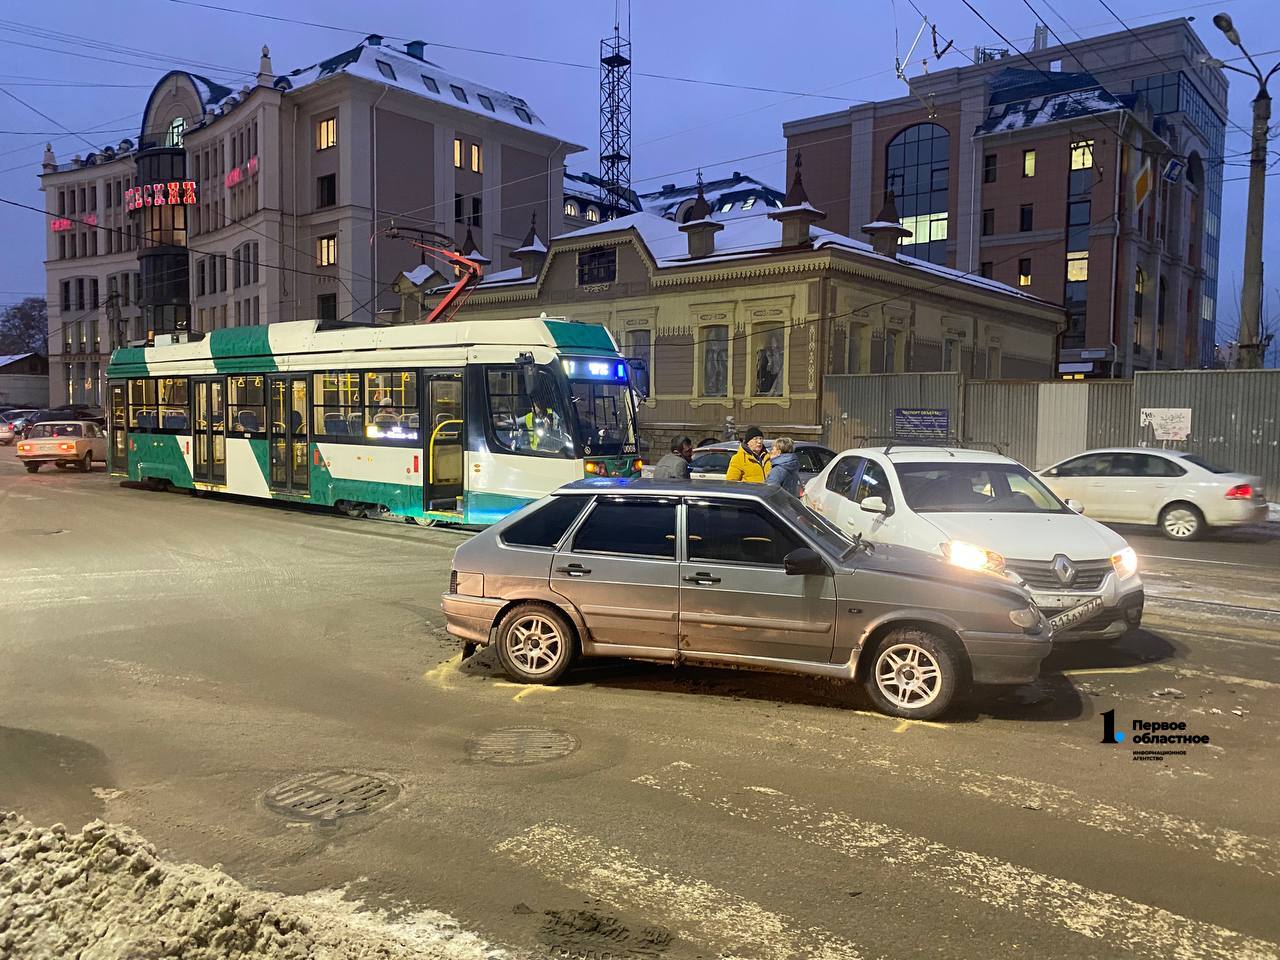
(1251, 350)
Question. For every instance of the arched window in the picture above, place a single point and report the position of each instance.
(1139, 291)
(176, 129)
(593, 215)
(570, 209)
(918, 171)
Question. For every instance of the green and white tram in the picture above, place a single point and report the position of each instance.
(454, 422)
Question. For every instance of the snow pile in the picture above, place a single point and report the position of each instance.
(103, 894)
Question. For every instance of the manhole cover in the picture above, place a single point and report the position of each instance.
(522, 746)
(330, 795)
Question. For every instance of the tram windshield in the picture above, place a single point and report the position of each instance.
(527, 411)
(604, 417)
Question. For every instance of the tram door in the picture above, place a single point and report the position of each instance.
(119, 430)
(287, 441)
(209, 456)
(443, 435)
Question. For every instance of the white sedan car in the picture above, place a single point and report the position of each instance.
(1179, 492)
(984, 511)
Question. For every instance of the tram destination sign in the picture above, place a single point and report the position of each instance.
(171, 193)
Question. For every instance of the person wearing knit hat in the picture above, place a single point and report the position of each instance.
(751, 463)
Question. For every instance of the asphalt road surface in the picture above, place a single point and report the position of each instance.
(168, 662)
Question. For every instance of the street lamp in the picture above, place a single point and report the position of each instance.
(1250, 352)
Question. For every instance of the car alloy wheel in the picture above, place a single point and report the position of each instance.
(535, 644)
(1181, 523)
(908, 676)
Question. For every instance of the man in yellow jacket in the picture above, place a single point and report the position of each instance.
(751, 463)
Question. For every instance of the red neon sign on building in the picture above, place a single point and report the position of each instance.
(62, 224)
(172, 193)
(238, 174)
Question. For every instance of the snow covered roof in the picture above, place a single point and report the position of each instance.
(373, 60)
(743, 238)
(7, 359)
(587, 186)
(1040, 109)
(738, 193)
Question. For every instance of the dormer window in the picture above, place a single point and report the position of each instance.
(384, 68)
(570, 209)
(726, 207)
(593, 215)
(523, 114)
(459, 93)
(430, 83)
(486, 102)
(749, 203)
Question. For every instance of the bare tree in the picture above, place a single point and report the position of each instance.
(24, 327)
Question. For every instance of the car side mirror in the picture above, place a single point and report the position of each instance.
(1075, 505)
(1051, 473)
(874, 505)
(803, 562)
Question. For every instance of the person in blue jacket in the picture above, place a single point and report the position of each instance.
(786, 466)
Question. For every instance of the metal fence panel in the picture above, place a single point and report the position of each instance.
(1112, 421)
(1003, 413)
(1063, 415)
(1235, 416)
(858, 407)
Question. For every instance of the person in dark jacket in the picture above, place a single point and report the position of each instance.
(675, 465)
(786, 466)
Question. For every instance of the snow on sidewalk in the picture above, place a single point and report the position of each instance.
(103, 894)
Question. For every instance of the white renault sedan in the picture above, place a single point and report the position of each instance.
(984, 511)
(1179, 492)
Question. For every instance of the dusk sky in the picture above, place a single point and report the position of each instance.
(825, 54)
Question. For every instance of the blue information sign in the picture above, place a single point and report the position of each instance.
(917, 423)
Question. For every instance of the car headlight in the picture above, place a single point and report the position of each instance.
(1125, 563)
(1026, 618)
(972, 557)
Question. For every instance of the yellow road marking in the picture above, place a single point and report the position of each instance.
(1094, 670)
(528, 690)
(904, 725)
(440, 672)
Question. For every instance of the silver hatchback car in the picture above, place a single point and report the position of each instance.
(734, 574)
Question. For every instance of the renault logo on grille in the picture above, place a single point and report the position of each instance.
(1065, 570)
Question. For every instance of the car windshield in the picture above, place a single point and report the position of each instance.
(604, 417)
(817, 527)
(959, 487)
(44, 430)
(1204, 464)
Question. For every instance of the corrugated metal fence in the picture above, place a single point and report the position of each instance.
(1235, 414)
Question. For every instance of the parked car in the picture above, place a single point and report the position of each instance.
(711, 462)
(734, 574)
(65, 443)
(984, 511)
(1181, 493)
(18, 417)
(8, 428)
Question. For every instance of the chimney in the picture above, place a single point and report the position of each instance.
(50, 162)
(699, 227)
(415, 49)
(374, 40)
(797, 213)
(266, 75)
(886, 229)
(532, 253)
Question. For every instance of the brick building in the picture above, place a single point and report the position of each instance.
(1089, 174)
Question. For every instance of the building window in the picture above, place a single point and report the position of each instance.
(1139, 291)
(950, 354)
(66, 296)
(988, 222)
(486, 102)
(571, 209)
(917, 170)
(1081, 154)
(993, 363)
(639, 347)
(326, 133)
(62, 246)
(1028, 163)
(174, 136)
(1026, 217)
(477, 212)
(523, 114)
(891, 351)
(459, 93)
(200, 279)
(327, 306)
(597, 266)
(457, 152)
(1077, 266)
(430, 83)
(714, 362)
(477, 160)
(768, 359)
(748, 203)
(385, 69)
(1024, 272)
(987, 269)
(327, 250)
(458, 209)
(593, 215)
(326, 190)
(989, 168)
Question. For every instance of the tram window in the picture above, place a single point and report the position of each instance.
(142, 404)
(246, 405)
(391, 405)
(526, 412)
(337, 411)
(172, 402)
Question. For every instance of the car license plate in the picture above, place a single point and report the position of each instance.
(1076, 614)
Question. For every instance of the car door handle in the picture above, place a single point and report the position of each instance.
(702, 578)
(574, 570)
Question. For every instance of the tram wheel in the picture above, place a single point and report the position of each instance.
(356, 511)
(423, 521)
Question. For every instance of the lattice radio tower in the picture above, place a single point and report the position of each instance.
(615, 113)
